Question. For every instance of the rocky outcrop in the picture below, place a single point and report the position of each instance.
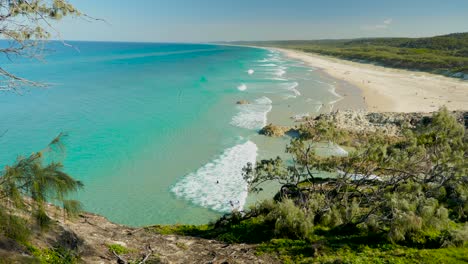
(90, 236)
(275, 131)
(389, 123)
(242, 102)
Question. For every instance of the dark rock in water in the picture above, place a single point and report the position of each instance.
(275, 131)
(243, 102)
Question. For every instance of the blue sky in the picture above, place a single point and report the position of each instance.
(215, 20)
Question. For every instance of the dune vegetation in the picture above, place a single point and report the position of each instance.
(446, 54)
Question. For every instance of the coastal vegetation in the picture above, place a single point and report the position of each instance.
(391, 200)
(447, 54)
(26, 189)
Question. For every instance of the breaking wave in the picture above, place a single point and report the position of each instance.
(219, 185)
(253, 116)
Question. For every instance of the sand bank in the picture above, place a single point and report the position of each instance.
(392, 90)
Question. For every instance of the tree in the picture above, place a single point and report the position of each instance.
(25, 24)
(412, 189)
(30, 183)
(33, 181)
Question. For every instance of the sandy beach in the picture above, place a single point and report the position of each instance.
(392, 90)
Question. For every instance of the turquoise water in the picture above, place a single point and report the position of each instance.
(154, 131)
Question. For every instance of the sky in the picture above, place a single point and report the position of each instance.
(229, 20)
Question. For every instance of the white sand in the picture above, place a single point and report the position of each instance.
(392, 90)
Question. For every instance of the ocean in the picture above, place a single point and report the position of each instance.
(153, 129)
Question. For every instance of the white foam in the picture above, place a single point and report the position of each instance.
(219, 184)
(268, 65)
(332, 90)
(317, 104)
(292, 88)
(299, 117)
(278, 79)
(250, 71)
(242, 87)
(253, 116)
(280, 72)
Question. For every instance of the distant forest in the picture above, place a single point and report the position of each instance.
(446, 54)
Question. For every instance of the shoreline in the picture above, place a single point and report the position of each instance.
(349, 97)
(387, 89)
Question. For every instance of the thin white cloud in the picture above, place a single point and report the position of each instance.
(388, 21)
(384, 25)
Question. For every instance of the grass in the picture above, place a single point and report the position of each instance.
(53, 255)
(324, 246)
(182, 245)
(234, 233)
(118, 249)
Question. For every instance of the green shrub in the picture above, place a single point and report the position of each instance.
(118, 249)
(457, 236)
(56, 255)
(290, 220)
(13, 227)
(412, 190)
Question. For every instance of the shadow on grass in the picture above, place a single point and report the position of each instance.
(250, 231)
(325, 245)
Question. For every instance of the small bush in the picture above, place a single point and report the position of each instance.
(182, 245)
(56, 255)
(455, 237)
(13, 227)
(118, 249)
(290, 220)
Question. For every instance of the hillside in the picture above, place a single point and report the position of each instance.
(91, 238)
(447, 54)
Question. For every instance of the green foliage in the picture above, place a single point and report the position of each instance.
(182, 245)
(290, 221)
(397, 254)
(118, 249)
(289, 251)
(27, 23)
(183, 230)
(56, 255)
(411, 190)
(72, 208)
(440, 54)
(225, 230)
(27, 187)
(13, 226)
